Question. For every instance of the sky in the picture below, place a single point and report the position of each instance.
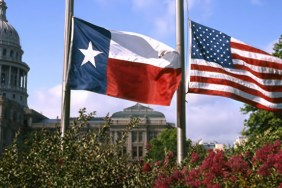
(40, 25)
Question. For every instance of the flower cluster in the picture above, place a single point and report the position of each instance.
(218, 169)
(269, 158)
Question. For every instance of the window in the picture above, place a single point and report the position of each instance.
(11, 53)
(122, 151)
(3, 78)
(137, 136)
(134, 151)
(119, 135)
(137, 151)
(14, 77)
(134, 136)
(22, 79)
(140, 151)
(4, 52)
(140, 136)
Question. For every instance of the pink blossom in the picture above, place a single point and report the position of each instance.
(238, 165)
(194, 158)
(146, 167)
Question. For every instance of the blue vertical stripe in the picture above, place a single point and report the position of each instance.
(88, 77)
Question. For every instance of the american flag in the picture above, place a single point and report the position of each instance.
(224, 66)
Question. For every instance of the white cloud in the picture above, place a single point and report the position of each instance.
(207, 117)
(48, 102)
(213, 118)
(164, 24)
(158, 13)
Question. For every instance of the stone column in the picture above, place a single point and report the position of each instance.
(0, 75)
(25, 81)
(9, 77)
(18, 79)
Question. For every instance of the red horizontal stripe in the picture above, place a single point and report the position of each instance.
(233, 96)
(257, 62)
(261, 75)
(141, 82)
(245, 47)
(277, 88)
(234, 85)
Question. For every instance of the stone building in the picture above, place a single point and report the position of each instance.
(151, 123)
(13, 81)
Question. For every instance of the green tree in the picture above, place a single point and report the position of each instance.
(278, 48)
(260, 120)
(166, 141)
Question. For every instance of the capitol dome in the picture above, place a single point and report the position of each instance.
(13, 71)
(138, 111)
(8, 34)
(145, 114)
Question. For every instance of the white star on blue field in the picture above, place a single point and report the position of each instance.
(89, 54)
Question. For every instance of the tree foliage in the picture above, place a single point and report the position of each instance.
(278, 48)
(166, 141)
(260, 121)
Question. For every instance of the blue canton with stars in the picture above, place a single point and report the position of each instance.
(211, 45)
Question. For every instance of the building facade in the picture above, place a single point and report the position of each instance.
(13, 81)
(151, 124)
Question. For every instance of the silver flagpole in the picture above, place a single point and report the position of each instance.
(181, 119)
(65, 111)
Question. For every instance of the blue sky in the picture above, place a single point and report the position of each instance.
(40, 25)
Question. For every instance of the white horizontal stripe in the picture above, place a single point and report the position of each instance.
(258, 56)
(235, 80)
(269, 82)
(215, 87)
(258, 69)
(138, 48)
(237, 41)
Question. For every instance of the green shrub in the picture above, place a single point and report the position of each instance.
(44, 159)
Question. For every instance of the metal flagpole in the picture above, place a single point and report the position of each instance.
(65, 111)
(181, 119)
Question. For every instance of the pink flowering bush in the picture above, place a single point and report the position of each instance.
(220, 169)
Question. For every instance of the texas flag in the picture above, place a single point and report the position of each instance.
(122, 64)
